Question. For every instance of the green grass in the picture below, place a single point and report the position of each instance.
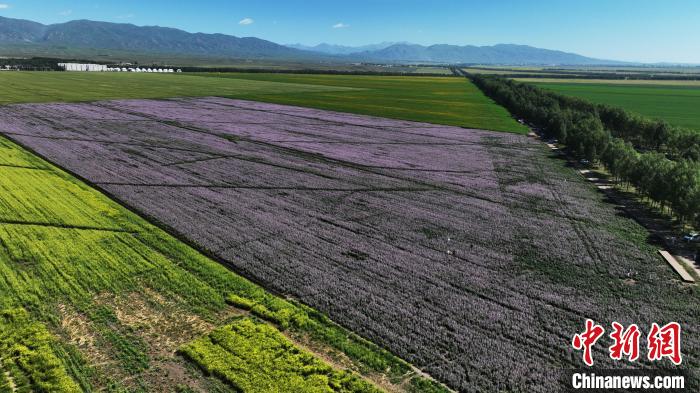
(677, 104)
(255, 357)
(451, 101)
(24, 87)
(69, 253)
(441, 100)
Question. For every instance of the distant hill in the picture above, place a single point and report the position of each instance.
(331, 49)
(104, 39)
(128, 37)
(507, 54)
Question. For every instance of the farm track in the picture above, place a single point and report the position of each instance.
(390, 255)
(64, 226)
(591, 249)
(23, 167)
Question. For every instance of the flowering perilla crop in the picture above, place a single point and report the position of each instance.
(472, 254)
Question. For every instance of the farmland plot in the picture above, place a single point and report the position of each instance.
(255, 357)
(88, 291)
(469, 253)
(673, 101)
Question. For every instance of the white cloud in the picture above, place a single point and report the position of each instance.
(246, 21)
(340, 25)
(65, 13)
(4, 6)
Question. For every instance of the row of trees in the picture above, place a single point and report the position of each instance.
(660, 161)
(556, 112)
(33, 64)
(313, 71)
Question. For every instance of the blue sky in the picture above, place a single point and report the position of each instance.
(641, 30)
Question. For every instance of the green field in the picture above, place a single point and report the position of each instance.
(89, 291)
(255, 357)
(678, 104)
(23, 87)
(452, 101)
(613, 82)
(442, 100)
(641, 74)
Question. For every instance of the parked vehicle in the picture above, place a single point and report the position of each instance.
(692, 237)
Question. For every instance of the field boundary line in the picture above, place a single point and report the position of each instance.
(64, 226)
(23, 167)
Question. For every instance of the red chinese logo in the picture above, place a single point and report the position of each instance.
(587, 339)
(665, 342)
(626, 342)
(662, 342)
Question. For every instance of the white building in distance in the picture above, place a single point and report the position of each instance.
(104, 68)
(83, 67)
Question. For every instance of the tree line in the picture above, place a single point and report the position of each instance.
(659, 160)
(36, 63)
(311, 71)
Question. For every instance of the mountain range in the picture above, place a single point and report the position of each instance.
(128, 38)
(331, 49)
(506, 54)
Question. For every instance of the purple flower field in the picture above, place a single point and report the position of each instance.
(473, 255)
